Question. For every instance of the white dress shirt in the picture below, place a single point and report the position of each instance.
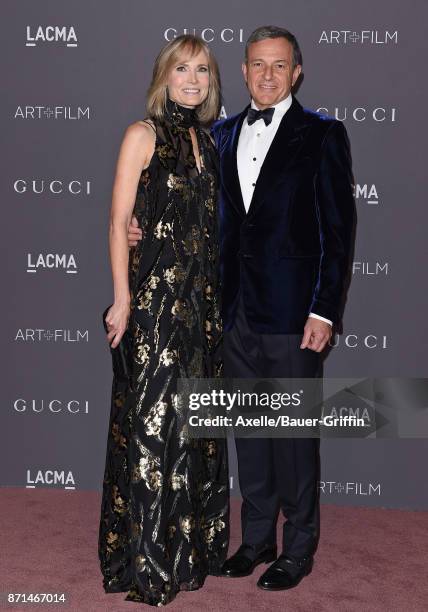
(253, 145)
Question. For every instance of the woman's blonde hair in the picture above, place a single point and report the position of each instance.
(171, 55)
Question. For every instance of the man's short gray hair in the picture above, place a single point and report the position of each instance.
(265, 32)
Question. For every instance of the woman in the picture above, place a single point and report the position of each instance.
(164, 517)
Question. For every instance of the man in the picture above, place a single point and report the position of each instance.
(287, 216)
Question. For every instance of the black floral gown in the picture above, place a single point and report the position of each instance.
(165, 506)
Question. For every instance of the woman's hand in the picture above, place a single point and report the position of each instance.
(134, 232)
(117, 322)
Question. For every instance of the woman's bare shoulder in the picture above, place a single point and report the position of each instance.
(139, 139)
(146, 125)
(143, 129)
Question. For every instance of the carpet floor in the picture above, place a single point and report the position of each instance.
(367, 560)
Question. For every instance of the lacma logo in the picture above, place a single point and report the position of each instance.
(366, 192)
(54, 478)
(51, 34)
(51, 261)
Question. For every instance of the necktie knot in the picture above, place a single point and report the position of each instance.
(265, 114)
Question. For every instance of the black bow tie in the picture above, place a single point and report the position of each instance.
(254, 114)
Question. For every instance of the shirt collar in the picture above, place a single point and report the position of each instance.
(280, 109)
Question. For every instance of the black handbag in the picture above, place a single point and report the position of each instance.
(122, 354)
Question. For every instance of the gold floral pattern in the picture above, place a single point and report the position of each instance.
(210, 531)
(167, 357)
(153, 281)
(187, 525)
(174, 274)
(183, 311)
(146, 470)
(140, 563)
(155, 418)
(143, 351)
(119, 504)
(119, 439)
(162, 230)
(192, 243)
(180, 185)
(144, 299)
(177, 481)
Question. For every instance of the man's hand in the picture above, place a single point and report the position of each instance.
(134, 233)
(315, 335)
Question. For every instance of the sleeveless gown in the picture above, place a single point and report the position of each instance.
(165, 504)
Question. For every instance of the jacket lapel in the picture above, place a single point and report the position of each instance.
(285, 145)
(229, 165)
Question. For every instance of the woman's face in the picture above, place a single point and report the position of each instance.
(189, 80)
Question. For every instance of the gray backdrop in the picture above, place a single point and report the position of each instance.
(69, 94)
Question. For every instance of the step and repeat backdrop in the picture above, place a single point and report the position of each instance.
(74, 76)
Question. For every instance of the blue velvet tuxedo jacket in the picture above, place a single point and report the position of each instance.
(290, 254)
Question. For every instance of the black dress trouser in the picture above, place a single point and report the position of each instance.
(280, 473)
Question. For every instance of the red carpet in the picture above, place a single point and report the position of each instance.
(367, 560)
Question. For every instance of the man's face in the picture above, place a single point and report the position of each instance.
(269, 71)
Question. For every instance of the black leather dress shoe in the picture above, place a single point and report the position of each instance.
(246, 558)
(285, 573)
